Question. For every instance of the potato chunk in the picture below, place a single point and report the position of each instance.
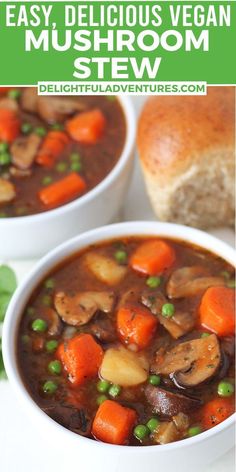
(123, 367)
(166, 433)
(7, 191)
(105, 268)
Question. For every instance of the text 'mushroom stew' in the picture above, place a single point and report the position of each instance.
(132, 342)
(53, 149)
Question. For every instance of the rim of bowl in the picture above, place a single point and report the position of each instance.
(130, 122)
(60, 254)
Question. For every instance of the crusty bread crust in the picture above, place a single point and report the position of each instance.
(186, 148)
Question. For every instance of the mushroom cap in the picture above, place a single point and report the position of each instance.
(167, 403)
(192, 362)
(78, 310)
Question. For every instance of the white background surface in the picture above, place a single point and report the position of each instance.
(22, 449)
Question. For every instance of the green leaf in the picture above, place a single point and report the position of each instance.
(8, 282)
(4, 302)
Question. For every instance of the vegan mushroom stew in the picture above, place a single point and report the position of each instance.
(131, 342)
(54, 149)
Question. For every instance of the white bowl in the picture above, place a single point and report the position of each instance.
(84, 453)
(32, 236)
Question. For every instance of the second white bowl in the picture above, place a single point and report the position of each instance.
(32, 236)
(85, 454)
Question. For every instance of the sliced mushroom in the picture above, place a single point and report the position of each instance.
(103, 330)
(9, 104)
(167, 403)
(190, 363)
(181, 421)
(166, 433)
(54, 322)
(74, 419)
(69, 332)
(104, 268)
(224, 365)
(154, 301)
(29, 99)
(228, 345)
(56, 109)
(7, 191)
(180, 324)
(130, 296)
(77, 310)
(189, 281)
(24, 150)
(19, 173)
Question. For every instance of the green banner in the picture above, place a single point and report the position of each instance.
(117, 41)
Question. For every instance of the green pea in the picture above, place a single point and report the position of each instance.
(231, 283)
(75, 157)
(168, 310)
(40, 131)
(5, 159)
(47, 300)
(3, 147)
(205, 335)
(8, 282)
(153, 282)
(51, 345)
(152, 424)
(57, 127)
(154, 379)
(54, 367)
(141, 432)
(225, 274)
(76, 166)
(61, 167)
(194, 430)
(26, 128)
(25, 338)
(225, 389)
(14, 94)
(103, 386)
(101, 399)
(49, 387)
(21, 211)
(121, 256)
(49, 283)
(39, 325)
(114, 390)
(47, 180)
(30, 311)
(4, 302)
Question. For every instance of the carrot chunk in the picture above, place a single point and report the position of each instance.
(51, 148)
(136, 325)
(216, 411)
(81, 358)
(217, 310)
(3, 90)
(62, 191)
(9, 125)
(113, 423)
(87, 127)
(152, 257)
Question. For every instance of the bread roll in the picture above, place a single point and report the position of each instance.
(186, 149)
